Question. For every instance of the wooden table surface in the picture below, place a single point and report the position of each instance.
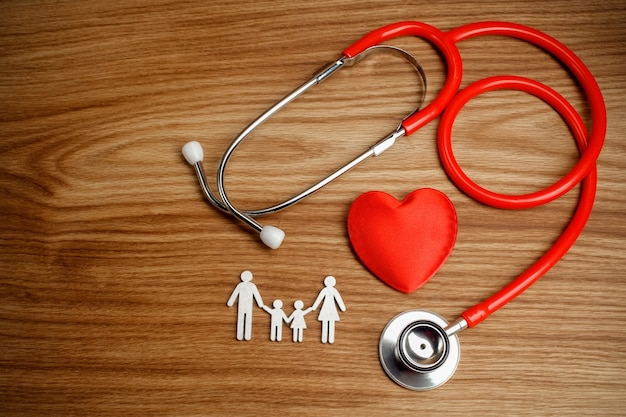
(115, 272)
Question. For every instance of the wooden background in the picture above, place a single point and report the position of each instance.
(114, 272)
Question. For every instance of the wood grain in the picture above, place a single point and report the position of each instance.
(114, 273)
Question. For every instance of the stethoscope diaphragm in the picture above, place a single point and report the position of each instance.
(416, 352)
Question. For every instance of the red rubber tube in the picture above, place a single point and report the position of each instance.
(481, 311)
(442, 41)
(589, 145)
(586, 81)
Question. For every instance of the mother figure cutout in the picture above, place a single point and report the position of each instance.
(328, 314)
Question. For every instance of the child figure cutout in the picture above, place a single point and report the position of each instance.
(298, 324)
(328, 313)
(247, 292)
(278, 316)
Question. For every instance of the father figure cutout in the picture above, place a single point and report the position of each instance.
(247, 292)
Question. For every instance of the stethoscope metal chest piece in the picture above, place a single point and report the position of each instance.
(416, 351)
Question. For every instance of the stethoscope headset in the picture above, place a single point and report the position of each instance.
(420, 350)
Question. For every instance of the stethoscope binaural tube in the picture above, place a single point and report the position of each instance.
(273, 236)
(393, 355)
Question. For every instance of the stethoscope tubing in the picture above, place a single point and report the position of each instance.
(481, 311)
(584, 171)
(584, 77)
(443, 42)
(450, 101)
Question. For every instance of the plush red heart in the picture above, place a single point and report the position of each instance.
(404, 243)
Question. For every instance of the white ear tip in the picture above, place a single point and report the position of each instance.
(192, 151)
(272, 236)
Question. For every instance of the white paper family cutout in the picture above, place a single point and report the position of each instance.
(246, 293)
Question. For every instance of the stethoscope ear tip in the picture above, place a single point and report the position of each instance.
(272, 236)
(193, 153)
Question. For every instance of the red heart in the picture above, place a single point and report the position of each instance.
(404, 243)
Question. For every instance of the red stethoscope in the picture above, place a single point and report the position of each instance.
(419, 349)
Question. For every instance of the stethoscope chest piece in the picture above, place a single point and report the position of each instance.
(416, 352)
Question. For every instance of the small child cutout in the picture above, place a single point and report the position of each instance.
(298, 324)
(278, 316)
